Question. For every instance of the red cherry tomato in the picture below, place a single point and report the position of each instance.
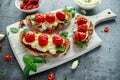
(39, 18)
(0, 46)
(57, 40)
(21, 23)
(60, 15)
(81, 21)
(43, 40)
(50, 17)
(82, 28)
(7, 57)
(51, 76)
(79, 36)
(106, 29)
(49, 30)
(30, 36)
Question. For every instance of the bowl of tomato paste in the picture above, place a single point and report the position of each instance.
(28, 6)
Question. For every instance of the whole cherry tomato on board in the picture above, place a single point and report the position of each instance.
(82, 28)
(60, 15)
(106, 29)
(21, 23)
(30, 36)
(79, 36)
(50, 17)
(39, 18)
(51, 76)
(81, 20)
(43, 40)
(57, 40)
(7, 57)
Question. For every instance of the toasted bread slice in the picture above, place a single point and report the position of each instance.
(36, 52)
(38, 27)
(89, 31)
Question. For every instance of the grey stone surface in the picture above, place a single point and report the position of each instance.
(102, 63)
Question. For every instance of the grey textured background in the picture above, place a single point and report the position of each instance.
(102, 63)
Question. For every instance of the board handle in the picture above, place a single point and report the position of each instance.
(105, 15)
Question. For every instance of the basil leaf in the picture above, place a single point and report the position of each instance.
(64, 34)
(14, 30)
(73, 13)
(26, 71)
(26, 30)
(80, 44)
(60, 48)
(26, 59)
(33, 66)
(39, 60)
(2, 73)
(65, 78)
(65, 20)
(79, 62)
(32, 18)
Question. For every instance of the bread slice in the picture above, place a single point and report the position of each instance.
(35, 52)
(38, 27)
(90, 31)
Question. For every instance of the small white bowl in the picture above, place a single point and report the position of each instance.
(17, 4)
(87, 5)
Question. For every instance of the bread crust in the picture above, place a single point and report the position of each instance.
(43, 54)
(37, 26)
(90, 31)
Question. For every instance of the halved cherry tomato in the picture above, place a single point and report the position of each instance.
(60, 15)
(43, 40)
(81, 21)
(49, 30)
(82, 28)
(30, 36)
(79, 36)
(57, 40)
(0, 46)
(51, 76)
(21, 23)
(7, 57)
(106, 29)
(39, 18)
(50, 17)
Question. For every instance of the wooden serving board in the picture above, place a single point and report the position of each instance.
(73, 52)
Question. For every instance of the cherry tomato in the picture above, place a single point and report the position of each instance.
(30, 36)
(106, 29)
(7, 57)
(43, 40)
(39, 18)
(51, 76)
(0, 46)
(81, 21)
(79, 36)
(49, 30)
(82, 28)
(21, 23)
(57, 40)
(50, 17)
(60, 15)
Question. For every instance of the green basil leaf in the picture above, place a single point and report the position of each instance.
(2, 73)
(64, 34)
(39, 60)
(33, 66)
(80, 44)
(26, 71)
(79, 62)
(26, 30)
(26, 59)
(73, 13)
(60, 48)
(32, 18)
(86, 42)
(65, 78)
(14, 30)
(65, 20)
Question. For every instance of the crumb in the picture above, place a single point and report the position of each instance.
(83, 12)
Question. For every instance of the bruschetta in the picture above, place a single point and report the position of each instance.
(49, 22)
(43, 44)
(82, 31)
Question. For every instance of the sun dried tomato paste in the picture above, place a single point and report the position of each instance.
(29, 4)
